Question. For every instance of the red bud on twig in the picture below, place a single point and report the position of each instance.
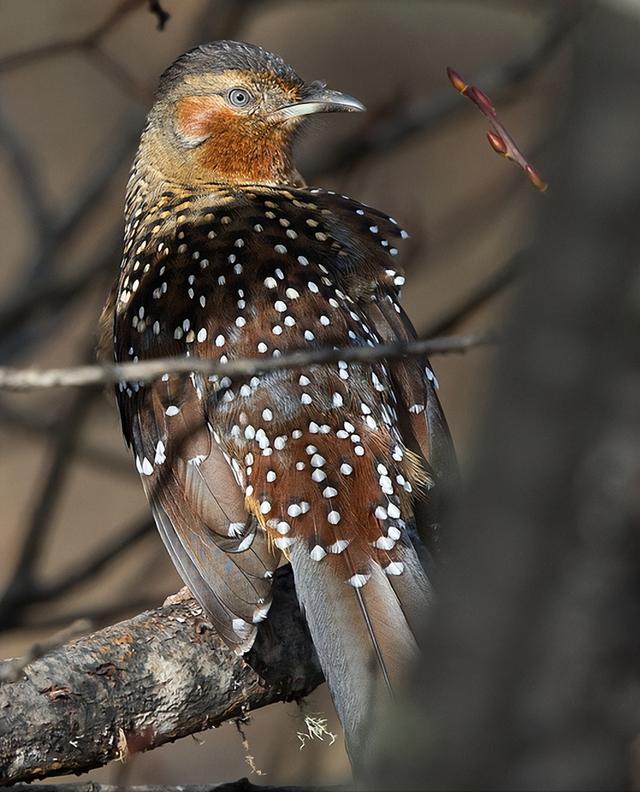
(497, 143)
(456, 80)
(500, 140)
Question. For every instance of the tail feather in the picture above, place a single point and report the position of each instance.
(362, 636)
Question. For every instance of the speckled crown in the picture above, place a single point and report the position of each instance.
(219, 56)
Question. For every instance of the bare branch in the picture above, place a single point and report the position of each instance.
(145, 682)
(149, 370)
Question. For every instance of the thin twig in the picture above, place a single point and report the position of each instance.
(500, 139)
(421, 115)
(149, 370)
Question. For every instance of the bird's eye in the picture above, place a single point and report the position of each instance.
(239, 97)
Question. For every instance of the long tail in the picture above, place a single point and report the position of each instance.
(364, 633)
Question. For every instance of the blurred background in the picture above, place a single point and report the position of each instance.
(76, 79)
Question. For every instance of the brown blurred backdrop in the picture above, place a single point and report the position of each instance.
(69, 117)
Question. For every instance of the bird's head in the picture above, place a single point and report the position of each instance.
(229, 111)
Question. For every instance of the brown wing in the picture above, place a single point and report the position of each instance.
(195, 490)
(367, 243)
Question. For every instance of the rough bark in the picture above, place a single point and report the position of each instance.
(147, 681)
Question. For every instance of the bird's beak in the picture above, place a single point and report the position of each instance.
(320, 100)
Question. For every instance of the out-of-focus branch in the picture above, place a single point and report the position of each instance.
(161, 675)
(148, 370)
(531, 677)
(38, 425)
(85, 42)
(488, 288)
(19, 591)
(25, 176)
(94, 564)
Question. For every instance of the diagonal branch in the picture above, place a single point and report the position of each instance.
(159, 676)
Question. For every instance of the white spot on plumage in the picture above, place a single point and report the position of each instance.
(246, 543)
(317, 554)
(338, 546)
(394, 532)
(330, 492)
(394, 568)
(393, 511)
(160, 453)
(358, 580)
(260, 614)
(172, 410)
(333, 517)
(241, 628)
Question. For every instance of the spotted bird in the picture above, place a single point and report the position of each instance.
(228, 254)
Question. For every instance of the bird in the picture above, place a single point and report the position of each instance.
(229, 254)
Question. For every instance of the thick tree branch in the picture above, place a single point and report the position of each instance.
(136, 685)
